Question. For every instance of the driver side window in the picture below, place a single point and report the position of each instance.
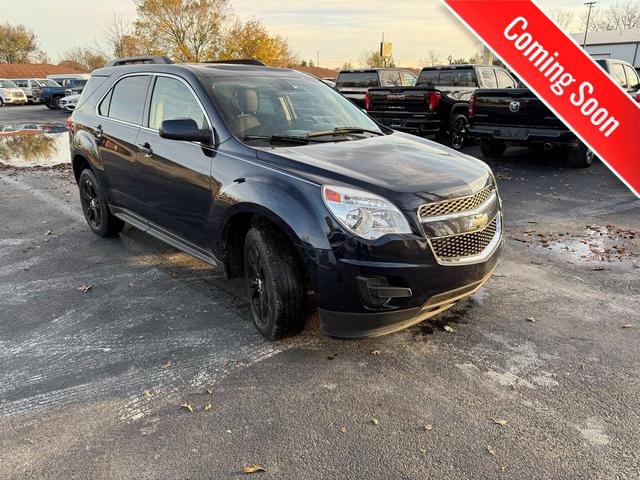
(172, 100)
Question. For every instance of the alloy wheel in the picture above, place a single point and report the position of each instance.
(91, 203)
(259, 294)
(458, 133)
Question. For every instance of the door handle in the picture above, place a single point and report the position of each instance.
(146, 149)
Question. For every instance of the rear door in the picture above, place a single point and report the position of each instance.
(174, 176)
(116, 129)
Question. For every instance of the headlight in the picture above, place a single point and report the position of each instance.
(365, 214)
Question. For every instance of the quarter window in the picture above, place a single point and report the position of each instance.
(617, 72)
(390, 78)
(504, 80)
(632, 78)
(172, 100)
(488, 77)
(127, 99)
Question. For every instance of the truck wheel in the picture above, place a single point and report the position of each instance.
(493, 148)
(1, 102)
(95, 208)
(56, 102)
(458, 131)
(581, 157)
(275, 283)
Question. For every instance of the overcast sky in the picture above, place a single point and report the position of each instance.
(343, 29)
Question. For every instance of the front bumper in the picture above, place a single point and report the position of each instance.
(15, 101)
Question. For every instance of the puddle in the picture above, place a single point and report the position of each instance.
(596, 243)
(26, 145)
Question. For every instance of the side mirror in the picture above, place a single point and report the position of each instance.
(185, 129)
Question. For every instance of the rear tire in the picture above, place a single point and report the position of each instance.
(94, 206)
(1, 102)
(458, 130)
(275, 283)
(493, 148)
(581, 157)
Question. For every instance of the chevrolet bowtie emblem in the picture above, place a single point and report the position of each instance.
(478, 222)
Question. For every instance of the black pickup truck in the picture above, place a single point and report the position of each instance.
(439, 103)
(503, 117)
(354, 84)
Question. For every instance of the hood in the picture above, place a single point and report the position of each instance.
(12, 90)
(404, 168)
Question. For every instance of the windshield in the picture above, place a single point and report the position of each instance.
(301, 107)
(7, 84)
(45, 82)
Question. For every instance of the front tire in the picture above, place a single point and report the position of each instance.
(458, 129)
(493, 148)
(94, 206)
(275, 283)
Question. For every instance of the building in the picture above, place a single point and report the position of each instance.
(318, 71)
(33, 70)
(621, 45)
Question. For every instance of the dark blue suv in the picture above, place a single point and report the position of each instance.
(270, 174)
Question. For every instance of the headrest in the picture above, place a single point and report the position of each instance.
(248, 101)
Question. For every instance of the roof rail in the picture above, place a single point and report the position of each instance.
(241, 61)
(139, 59)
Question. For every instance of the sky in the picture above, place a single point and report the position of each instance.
(343, 30)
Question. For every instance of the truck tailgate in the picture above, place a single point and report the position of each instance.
(517, 107)
(399, 99)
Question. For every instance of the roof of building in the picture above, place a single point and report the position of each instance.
(318, 71)
(604, 38)
(33, 70)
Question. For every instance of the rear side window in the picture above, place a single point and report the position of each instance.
(617, 72)
(632, 78)
(357, 79)
(458, 77)
(504, 80)
(172, 100)
(488, 77)
(127, 99)
(94, 82)
(21, 83)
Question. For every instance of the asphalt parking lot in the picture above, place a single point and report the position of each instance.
(537, 376)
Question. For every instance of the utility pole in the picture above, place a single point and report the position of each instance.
(318, 57)
(586, 30)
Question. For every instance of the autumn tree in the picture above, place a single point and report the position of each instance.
(622, 15)
(84, 58)
(188, 30)
(251, 39)
(18, 44)
(373, 59)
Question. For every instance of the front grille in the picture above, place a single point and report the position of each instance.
(466, 244)
(455, 205)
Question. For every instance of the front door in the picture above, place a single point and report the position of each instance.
(175, 175)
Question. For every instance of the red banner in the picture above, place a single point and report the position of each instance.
(563, 76)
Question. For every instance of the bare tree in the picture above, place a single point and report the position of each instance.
(433, 58)
(563, 16)
(621, 15)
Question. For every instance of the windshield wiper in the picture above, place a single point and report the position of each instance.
(343, 130)
(282, 139)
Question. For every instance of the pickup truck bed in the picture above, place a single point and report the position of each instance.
(410, 109)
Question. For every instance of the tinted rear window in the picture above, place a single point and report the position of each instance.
(127, 99)
(455, 77)
(358, 79)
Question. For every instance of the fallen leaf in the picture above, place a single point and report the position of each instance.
(148, 393)
(84, 288)
(503, 467)
(167, 365)
(331, 357)
(49, 232)
(598, 269)
(253, 469)
(210, 391)
(531, 319)
(491, 450)
(423, 450)
(428, 427)
(375, 353)
(628, 325)
(375, 421)
(207, 407)
(449, 329)
(343, 429)
(500, 421)
(187, 406)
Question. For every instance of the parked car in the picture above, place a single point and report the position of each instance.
(61, 77)
(440, 101)
(270, 174)
(30, 86)
(53, 94)
(354, 84)
(10, 94)
(516, 117)
(69, 102)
